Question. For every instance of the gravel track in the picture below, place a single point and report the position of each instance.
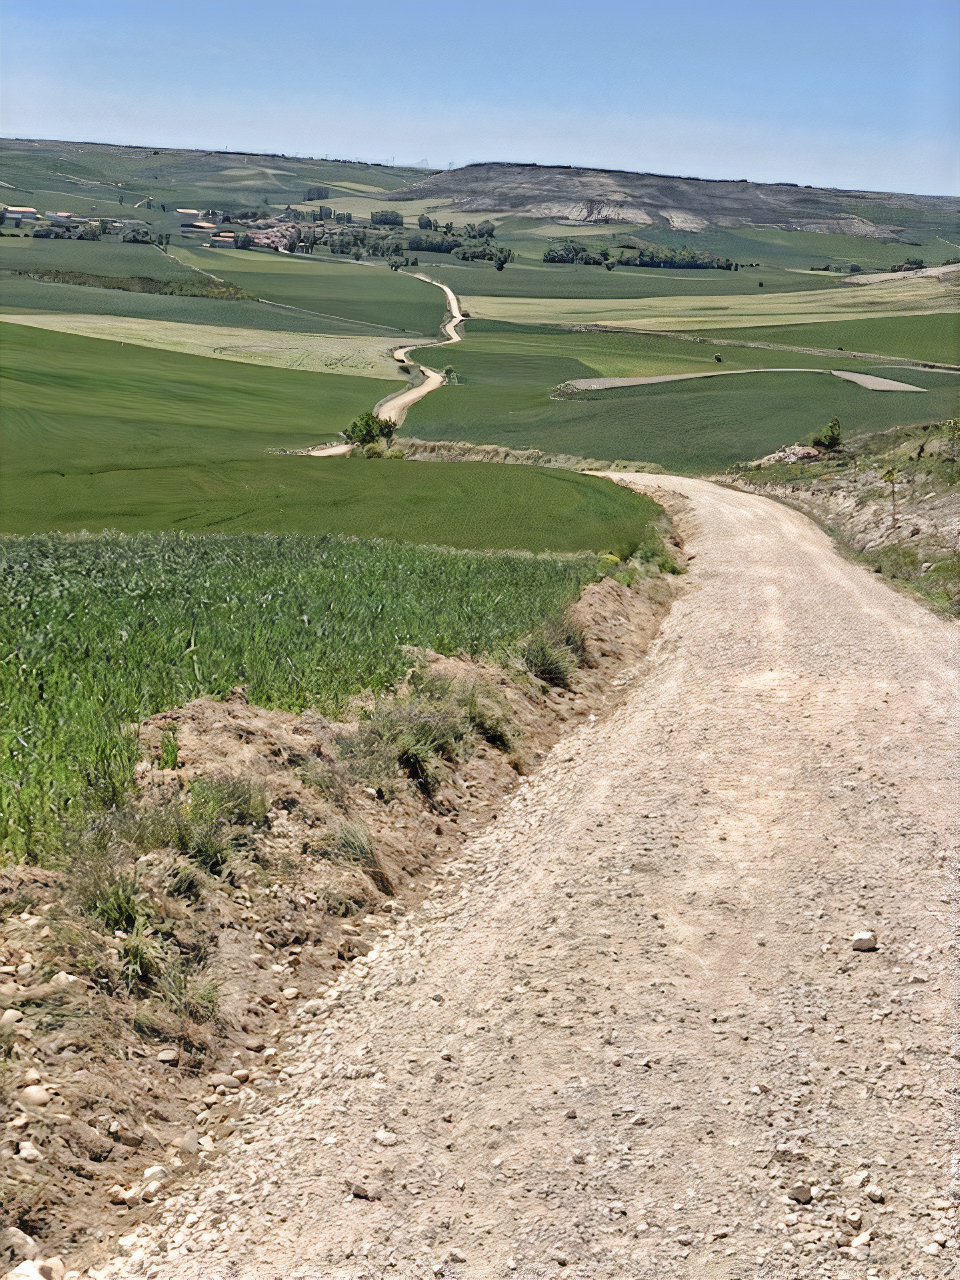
(629, 1019)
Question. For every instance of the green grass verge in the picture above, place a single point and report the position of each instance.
(934, 337)
(690, 427)
(104, 631)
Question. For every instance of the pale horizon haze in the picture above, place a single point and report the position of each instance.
(838, 93)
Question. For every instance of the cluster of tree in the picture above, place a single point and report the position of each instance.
(369, 429)
(572, 252)
(385, 248)
(909, 264)
(481, 252)
(317, 193)
(484, 231)
(431, 224)
(653, 255)
(386, 218)
(433, 243)
(347, 242)
(646, 255)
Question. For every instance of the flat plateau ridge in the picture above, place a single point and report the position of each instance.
(684, 204)
(627, 1034)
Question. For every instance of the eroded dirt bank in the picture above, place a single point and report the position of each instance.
(116, 1085)
(627, 1033)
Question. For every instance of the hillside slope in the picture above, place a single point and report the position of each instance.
(683, 204)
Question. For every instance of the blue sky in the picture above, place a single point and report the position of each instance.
(849, 93)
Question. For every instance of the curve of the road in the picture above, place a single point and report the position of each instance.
(394, 408)
(629, 1018)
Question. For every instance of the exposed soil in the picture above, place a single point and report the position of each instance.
(605, 195)
(274, 938)
(868, 380)
(632, 1029)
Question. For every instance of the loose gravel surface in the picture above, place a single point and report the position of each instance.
(629, 1034)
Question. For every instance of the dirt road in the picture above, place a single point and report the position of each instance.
(630, 1017)
(394, 408)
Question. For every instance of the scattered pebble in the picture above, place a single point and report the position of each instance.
(34, 1095)
(866, 940)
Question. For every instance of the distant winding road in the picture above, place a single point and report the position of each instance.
(394, 408)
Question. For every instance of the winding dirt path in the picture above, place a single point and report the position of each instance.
(394, 408)
(630, 1017)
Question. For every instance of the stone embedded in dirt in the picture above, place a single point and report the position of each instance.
(290, 993)
(10, 1017)
(456, 1256)
(189, 1144)
(874, 1193)
(241, 1074)
(28, 1152)
(116, 1193)
(865, 940)
(169, 1055)
(48, 1269)
(386, 1138)
(156, 1172)
(854, 1217)
(801, 1192)
(65, 981)
(571, 1114)
(255, 1044)
(16, 1243)
(360, 1192)
(858, 1179)
(220, 1078)
(34, 1095)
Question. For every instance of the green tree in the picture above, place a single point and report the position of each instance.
(369, 428)
(829, 438)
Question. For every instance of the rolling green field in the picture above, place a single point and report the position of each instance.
(85, 176)
(771, 246)
(364, 293)
(19, 295)
(78, 411)
(705, 310)
(543, 356)
(99, 436)
(934, 337)
(105, 631)
(96, 257)
(559, 281)
(689, 428)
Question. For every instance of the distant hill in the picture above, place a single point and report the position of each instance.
(212, 178)
(683, 204)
